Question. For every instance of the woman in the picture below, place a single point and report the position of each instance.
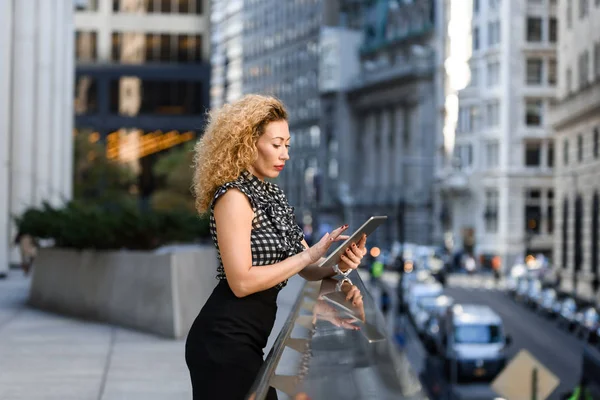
(259, 245)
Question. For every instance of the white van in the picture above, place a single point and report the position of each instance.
(472, 343)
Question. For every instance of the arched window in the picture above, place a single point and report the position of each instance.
(578, 251)
(596, 238)
(565, 233)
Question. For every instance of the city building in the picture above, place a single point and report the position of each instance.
(36, 111)
(576, 121)
(142, 77)
(227, 51)
(280, 58)
(379, 113)
(494, 176)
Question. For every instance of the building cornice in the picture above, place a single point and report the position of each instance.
(576, 107)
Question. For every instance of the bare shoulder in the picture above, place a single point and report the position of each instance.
(233, 203)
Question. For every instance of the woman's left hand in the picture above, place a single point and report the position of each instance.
(353, 255)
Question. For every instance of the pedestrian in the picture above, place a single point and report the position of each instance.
(259, 244)
(497, 268)
(28, 249)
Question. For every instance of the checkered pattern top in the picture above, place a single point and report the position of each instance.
(275, 234)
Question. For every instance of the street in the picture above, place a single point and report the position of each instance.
(559, 350)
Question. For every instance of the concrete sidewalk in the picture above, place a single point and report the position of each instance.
(50, 357)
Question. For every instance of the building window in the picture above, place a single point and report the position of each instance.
(580, 148)
(476, 38)
(583, 8)
(164, 97)
(533, 114)
(595, 235)
(565, 233)
(493, 33)
(534, 71)
(464, 121)
(578, 251)
(493, 113)
(534, 29)
(492, 152)
(533, 211)
(164, 48)
(491, 210)
(475, 118)
(553, 30)
(569, 14)
(552, 72)
(159, 6)
(86, 5)
(569, 80)
(596, 139)
(85, 96)
(550, 154)
(533, 154)
(85, 46)
(550, 212)
(475, 6)
(584, 62)
(464, 155)
(493, 73)
(566, 152)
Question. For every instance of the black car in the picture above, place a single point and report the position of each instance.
(588, 323)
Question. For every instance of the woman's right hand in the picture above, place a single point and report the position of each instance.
(319, 249)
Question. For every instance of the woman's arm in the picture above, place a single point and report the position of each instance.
(313, 272)
(233, 216)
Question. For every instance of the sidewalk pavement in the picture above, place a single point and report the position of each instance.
(51, 357)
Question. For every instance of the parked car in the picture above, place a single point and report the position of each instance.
(547, 302)
(522, 289)
(432, 331)
(587, 323)
(419, 291)
(534, 292)
(407, 279)
(567, 313)
(472, 342)
(428, 307)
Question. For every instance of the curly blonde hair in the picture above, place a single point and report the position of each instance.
(228, 145)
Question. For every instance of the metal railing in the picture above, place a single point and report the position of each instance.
(336, 361)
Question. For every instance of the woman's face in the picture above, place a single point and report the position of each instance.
(273, 150)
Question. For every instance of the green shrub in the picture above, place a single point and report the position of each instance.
(81, 226)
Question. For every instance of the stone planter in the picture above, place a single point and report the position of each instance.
(152, 292)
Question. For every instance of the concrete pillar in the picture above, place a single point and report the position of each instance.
(23, 110)
(43, 105)
(66, 98)
(57, 128)
(6, 30)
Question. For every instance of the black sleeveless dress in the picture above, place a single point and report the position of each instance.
(224, 348)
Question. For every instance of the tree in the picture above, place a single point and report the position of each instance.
(175, 173)
(97, 179)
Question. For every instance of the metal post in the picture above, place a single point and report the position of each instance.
(534, 384)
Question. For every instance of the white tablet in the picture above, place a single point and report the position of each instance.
(367, 228)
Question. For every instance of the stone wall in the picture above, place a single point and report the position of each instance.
(151, 292)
